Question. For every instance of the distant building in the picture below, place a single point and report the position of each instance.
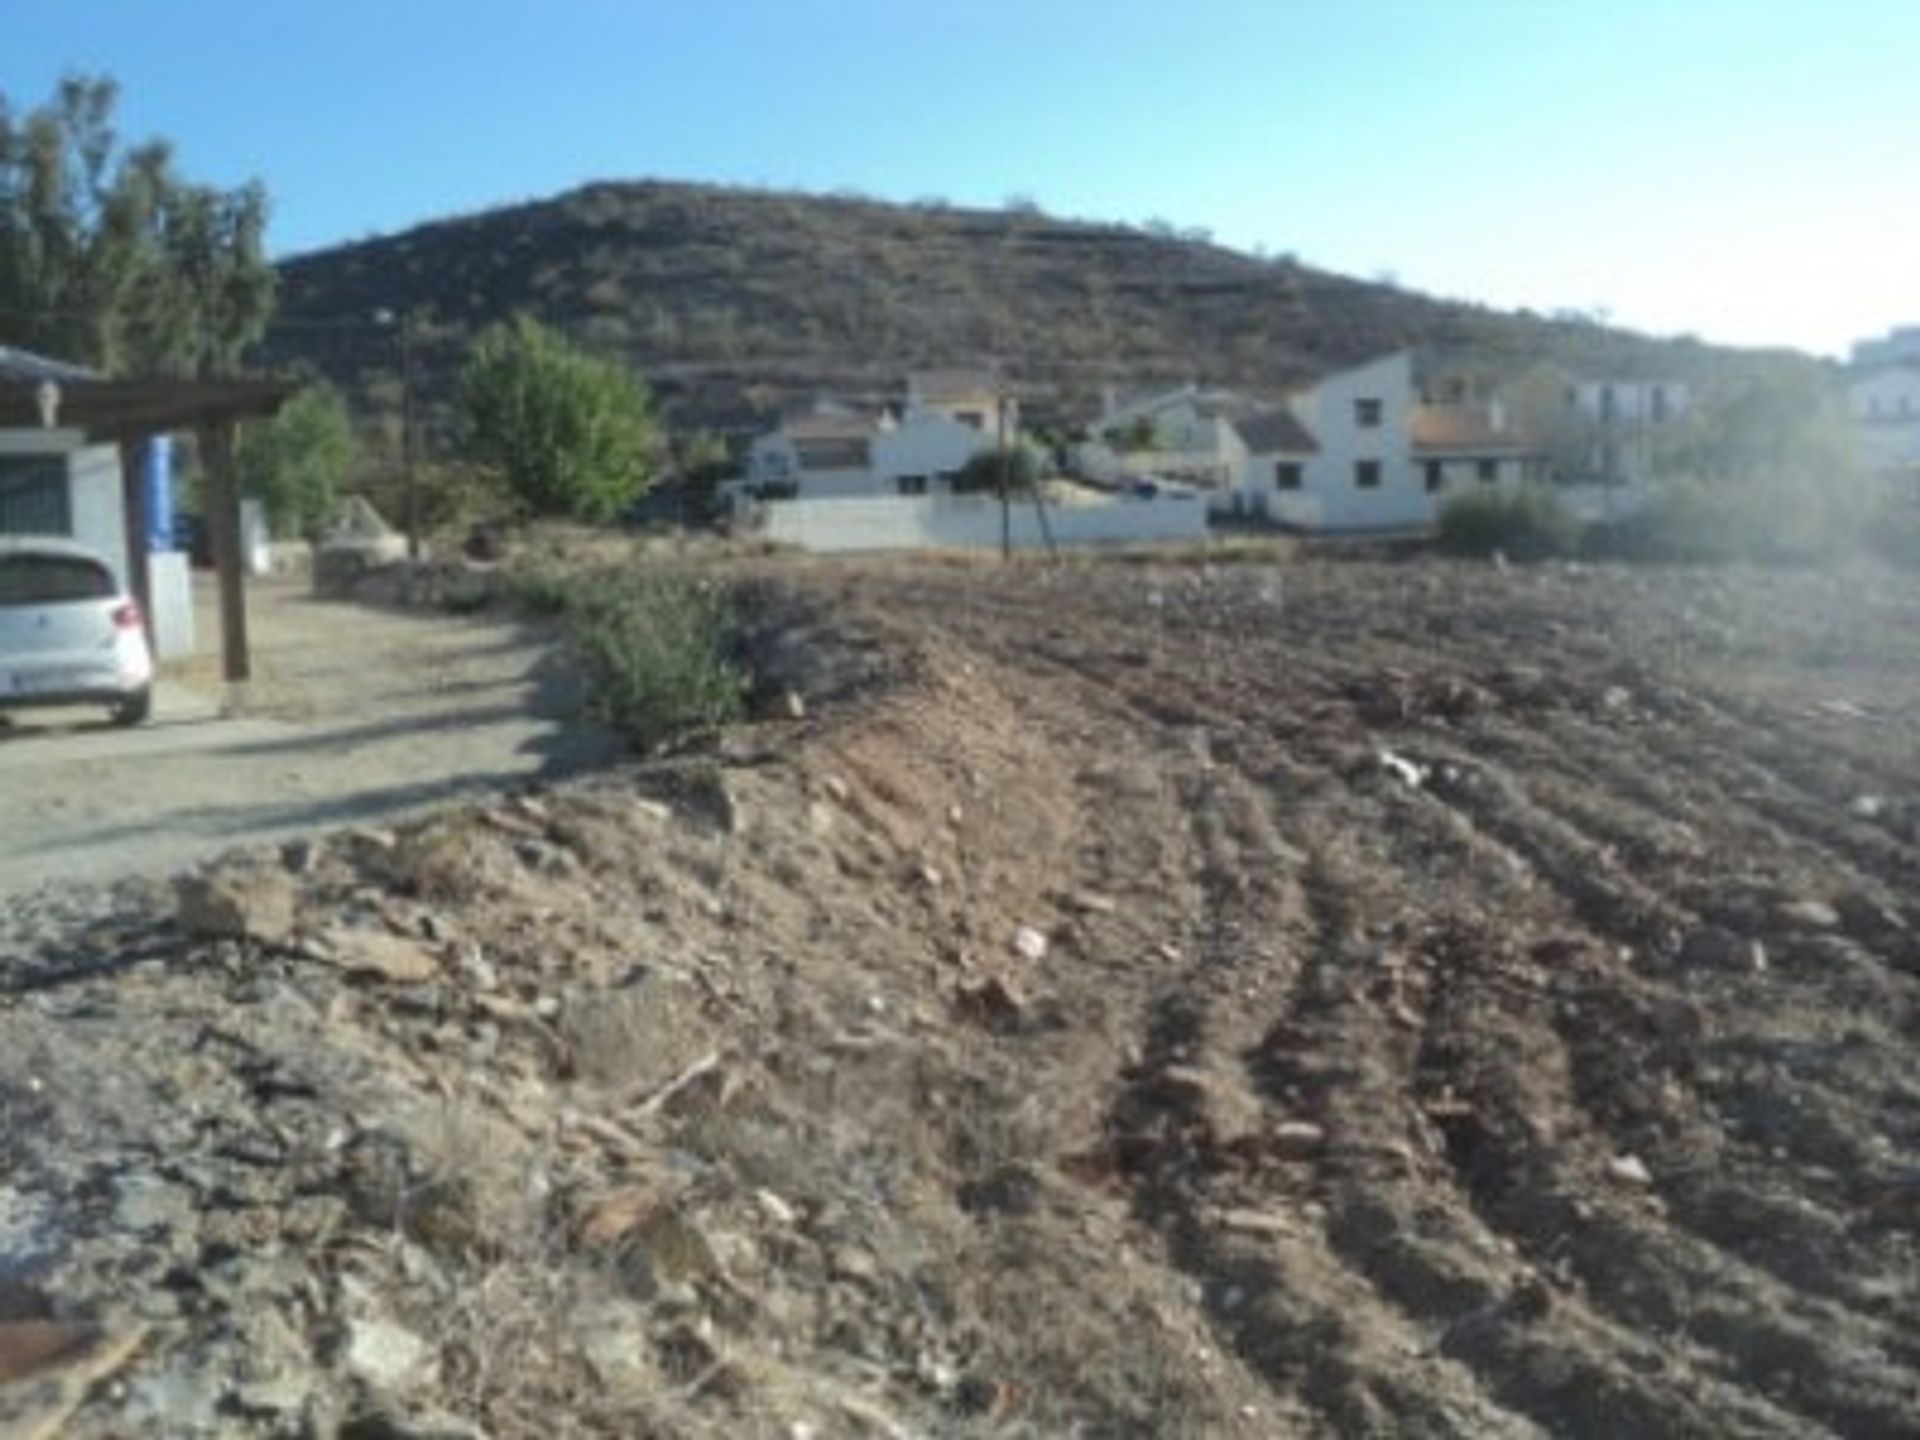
(1352, 451)
(1883, 403)
(918, 446)
(1625, 422)
(1899, 346)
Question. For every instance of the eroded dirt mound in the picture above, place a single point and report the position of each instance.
(1334, 999)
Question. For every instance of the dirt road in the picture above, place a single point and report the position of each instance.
(356, 715)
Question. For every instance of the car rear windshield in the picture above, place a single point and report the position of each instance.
(51, 579)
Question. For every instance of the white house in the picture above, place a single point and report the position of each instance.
(1625, 422)
(917, 447)
(1346, 463)
(1884, 406)
(1461, 449)
(1344, 453)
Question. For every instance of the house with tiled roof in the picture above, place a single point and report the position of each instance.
(1463, 447)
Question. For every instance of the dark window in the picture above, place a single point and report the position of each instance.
(972, 419)
(34, 499)
(1366, 474)
(49, 579)
(912, 484)
(1659, 404)
(1488, 470)
(825, 453)
(1286, 475)
(1436, 476)
(1366, 413)
(1607, 404)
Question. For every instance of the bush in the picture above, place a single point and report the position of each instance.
(657, 650)
(1767, 521)
(1528, 524)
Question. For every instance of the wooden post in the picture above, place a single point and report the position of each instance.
(133, 492)
(223, 520)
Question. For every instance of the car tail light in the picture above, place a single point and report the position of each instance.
(126, 615)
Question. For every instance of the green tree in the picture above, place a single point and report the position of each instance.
(1017, 467)
(109, 257)
(300, 461)
(569, 433)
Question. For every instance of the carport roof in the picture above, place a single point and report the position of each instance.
(128, 409)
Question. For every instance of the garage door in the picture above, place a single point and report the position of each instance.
(34, 498)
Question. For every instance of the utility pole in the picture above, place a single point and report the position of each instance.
(402, 324)
(409, 478)
(1006, 509)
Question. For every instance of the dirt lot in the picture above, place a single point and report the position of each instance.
(1332, 998)
(356, 715)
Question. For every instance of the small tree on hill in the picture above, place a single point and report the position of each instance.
(570, 433)
(300, 461)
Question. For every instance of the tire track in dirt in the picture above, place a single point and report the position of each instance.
(1461, 1021)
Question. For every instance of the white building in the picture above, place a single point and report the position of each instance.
(1467, 448)
(52, 482)
(918, 447)
(1626, 422)
(1353, 451)
(1884, 406)
(1899, 346)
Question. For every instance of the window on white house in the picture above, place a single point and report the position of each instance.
(911, 484)
(1436, 476)
(1488, 470)
(1287, 475)
(1366, 412)
(972, 419)
(1366, 474)
(1659, 404)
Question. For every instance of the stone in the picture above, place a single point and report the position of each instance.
(386, 1354)
(373, 954)
(253, 903)
(1299, 1137)
(1806, 915)
(1630, 1170)
(1030, 944)
(47, 1368)
(1715, 947)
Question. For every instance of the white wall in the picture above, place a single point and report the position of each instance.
(973, 522)
(925, 442)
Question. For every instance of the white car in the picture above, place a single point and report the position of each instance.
(69, 635)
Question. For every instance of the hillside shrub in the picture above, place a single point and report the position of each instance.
(657, 651)
(1759, 520)
(1527, 524)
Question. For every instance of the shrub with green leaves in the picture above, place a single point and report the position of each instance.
(1527, 524)
(657, 650)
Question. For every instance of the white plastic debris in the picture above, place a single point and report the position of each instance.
(1402, 768)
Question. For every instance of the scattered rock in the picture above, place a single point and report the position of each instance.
(372, 954)
(993, 1002)
(1806, 915)
(386, 1355)
(1630, 1170)
(1030, 944)
(237, 903)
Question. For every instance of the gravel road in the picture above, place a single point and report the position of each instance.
(356, 716)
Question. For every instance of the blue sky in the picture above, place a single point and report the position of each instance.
(1737, 169)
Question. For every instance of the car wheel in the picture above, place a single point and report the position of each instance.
(134, 709)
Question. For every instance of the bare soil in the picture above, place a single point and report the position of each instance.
(1328, 998)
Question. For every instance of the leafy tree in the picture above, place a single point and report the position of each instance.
(109, 257)
(300, 461)
(1017, 466)
(569, 432)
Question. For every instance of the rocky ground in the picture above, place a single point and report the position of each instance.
(1123, 1000)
